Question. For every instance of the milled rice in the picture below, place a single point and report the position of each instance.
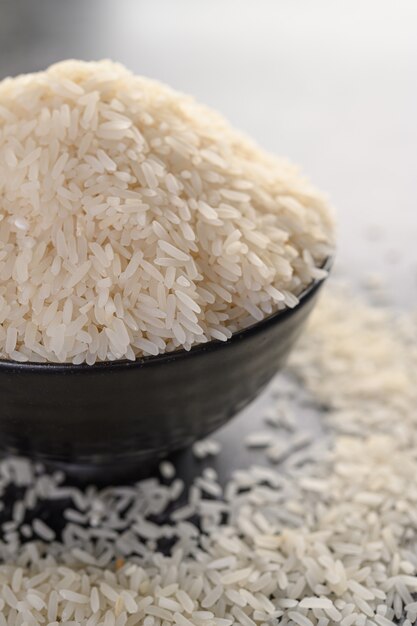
(328, 538)
(134, 221)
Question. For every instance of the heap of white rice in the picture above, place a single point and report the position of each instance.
(135, 221)
(327, 537)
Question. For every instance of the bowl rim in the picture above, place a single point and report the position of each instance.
(176, 355)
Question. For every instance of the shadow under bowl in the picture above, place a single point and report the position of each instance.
(110, 419)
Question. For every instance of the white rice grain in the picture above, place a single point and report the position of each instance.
(84, 176)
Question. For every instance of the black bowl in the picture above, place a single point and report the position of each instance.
(110, 418)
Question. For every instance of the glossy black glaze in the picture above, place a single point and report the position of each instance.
(113, 417)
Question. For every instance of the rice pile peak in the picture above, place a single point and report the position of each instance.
(134, 221)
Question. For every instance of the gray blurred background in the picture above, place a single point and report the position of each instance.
(331, 84)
